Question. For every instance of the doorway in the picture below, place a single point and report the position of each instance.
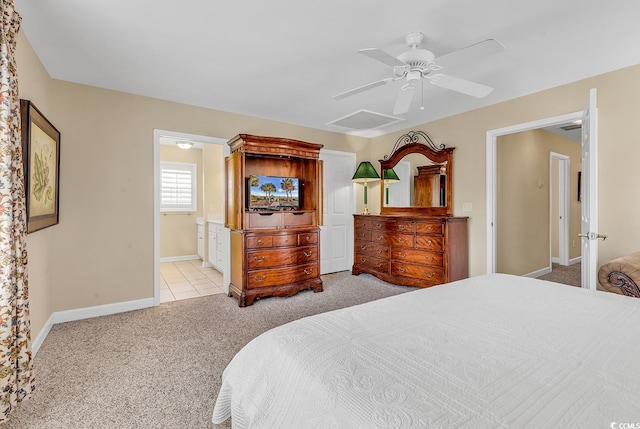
(196, 223)
(541, 184)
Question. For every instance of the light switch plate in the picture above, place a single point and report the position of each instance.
(467, 207)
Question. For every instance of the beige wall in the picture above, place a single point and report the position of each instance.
(178, 230)
(213, 165)
(522, 178)
(618, 107)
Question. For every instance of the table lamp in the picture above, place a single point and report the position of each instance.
(365, 173)
(389, 176)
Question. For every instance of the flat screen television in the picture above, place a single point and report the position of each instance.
(273, 193)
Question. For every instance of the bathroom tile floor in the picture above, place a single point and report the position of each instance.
(188, 279)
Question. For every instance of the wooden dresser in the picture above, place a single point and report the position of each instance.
(273, 252)
(411, 250)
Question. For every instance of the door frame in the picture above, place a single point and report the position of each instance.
(157, 133)
(491, 144)
(564, 167)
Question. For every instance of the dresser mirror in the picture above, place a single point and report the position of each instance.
(417, 177)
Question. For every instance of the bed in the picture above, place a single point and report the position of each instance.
(494, 351)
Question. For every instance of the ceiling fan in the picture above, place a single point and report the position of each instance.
(416, 64)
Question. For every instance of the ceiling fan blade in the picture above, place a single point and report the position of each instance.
(460, 85)
(362, 88)
(403, 102)
(470, 53)
(382, 56)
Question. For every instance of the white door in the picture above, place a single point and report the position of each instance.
(559, 190)
(589, 189)
(336, 235)
(400, 192)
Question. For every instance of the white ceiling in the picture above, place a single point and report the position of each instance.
(284, 59)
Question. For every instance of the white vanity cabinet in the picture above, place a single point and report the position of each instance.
(215, 254)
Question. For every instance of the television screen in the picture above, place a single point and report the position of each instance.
(273, 193)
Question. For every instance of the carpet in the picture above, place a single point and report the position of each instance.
(565, 274)
(160, 367)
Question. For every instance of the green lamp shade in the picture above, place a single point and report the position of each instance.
(390, 176)
(365, 173)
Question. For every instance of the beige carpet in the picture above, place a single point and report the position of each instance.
(568, 275)
(161, 367)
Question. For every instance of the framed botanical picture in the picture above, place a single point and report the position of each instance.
(41, 159)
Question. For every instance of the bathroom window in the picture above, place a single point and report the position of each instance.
(178, 187)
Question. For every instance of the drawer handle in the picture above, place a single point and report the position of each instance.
(363, 260)
(286, 240)
(308, 238)
(402, 255)
(362, 234)
(307, 254)
(307, 272)
(379, 225)
(379, 265)
(259, 279)
(379, 238)
(402, 227)
(429, 242)
(363, 247)
(402, 240)
(379, 251)
(429, 275)
(259, 241)
(430, 258)
(261, 259)
(402, 270)
(428, 228)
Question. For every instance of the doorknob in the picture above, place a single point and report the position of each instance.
(593, 236)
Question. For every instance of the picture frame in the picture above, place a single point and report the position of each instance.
(41, 166)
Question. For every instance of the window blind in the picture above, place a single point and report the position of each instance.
(178, 187)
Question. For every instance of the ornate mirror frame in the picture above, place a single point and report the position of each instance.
(411, 143)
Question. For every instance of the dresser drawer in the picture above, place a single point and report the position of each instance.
(281, 257)
(362, 224)
(285, 240)
(373, 249)
(435, 228)
(429, 242)
(363, 234)
(281, 276)
(305, 238)
(430, 274)
(371, 262)
(264, 220)
(404, 240)
(417, 256)
(259, 242)
(292, 219)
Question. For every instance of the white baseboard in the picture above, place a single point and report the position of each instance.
(35, 345)
(575, 260)
(538, 273)
(87, 313)
(555, 260)
(179, 258)
(207, 264)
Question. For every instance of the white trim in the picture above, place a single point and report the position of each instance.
(42, 335)
(491, 142)
(564, 167)
(180, 258)
(575, 260)
(555, 260)
(157, 133)
(538, 273)
(87, 313)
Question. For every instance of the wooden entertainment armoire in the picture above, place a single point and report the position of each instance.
(274, 249)
(422, 244)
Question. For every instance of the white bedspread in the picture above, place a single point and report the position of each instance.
(493, 351)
